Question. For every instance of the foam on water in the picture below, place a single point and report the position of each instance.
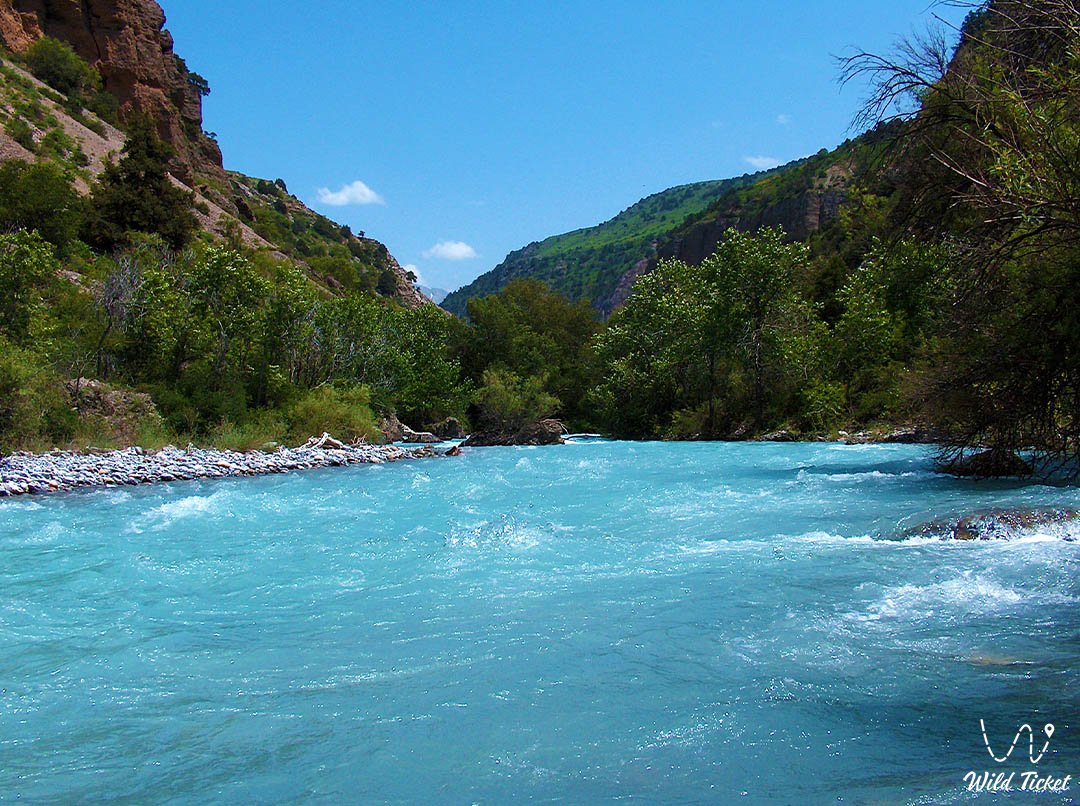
(663, 622)
(166, 514)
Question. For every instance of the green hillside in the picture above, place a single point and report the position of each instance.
(588, 263)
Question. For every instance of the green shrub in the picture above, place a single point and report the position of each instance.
(55, 63)
(20, 131)
(689, 423)
(40, 197)
(154, 434)
(27, 274)
(106, 106)
(342, 269)
(56, 144)
(261, 428)
(508, 402)
(343, 413)
(34, 406)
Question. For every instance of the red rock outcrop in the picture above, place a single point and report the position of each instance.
(127, 41)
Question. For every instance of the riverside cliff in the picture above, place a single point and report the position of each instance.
(127, 42)
(128, 45)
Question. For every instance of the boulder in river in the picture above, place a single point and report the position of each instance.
(991, 463)
(912, 435)
(417, 437)
(997, 524)
(391, 427)
(544, 432)
(782, 435)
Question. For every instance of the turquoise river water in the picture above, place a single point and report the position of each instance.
(598, 621)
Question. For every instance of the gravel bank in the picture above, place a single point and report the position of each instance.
(29, 473)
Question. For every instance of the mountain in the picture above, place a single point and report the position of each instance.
(601, 263)
(141, 75)
(436, 295)
(590, 263)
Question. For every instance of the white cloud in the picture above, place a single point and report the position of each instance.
(451, 250)
(412, 267)
(762, 163)
(355, 193)
(783, 119)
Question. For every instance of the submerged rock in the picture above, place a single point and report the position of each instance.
(912, 435)
(783, 435)
(996, 524)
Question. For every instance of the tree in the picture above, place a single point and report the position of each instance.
(228, 296)
(200, 84)
(40, 196)
(34, 405)
(399, 354)
(286, 329)
(506, 402)
(732, 336)
(991, 150)
(137, 194)
(533, 331)
(427, 379)
(28, 270)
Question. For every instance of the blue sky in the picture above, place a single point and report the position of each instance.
(456, 132)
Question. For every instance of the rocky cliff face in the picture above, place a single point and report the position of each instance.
(128, 44)
(799, 215)
(127, 41)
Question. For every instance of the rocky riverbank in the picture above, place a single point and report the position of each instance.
(28, 473)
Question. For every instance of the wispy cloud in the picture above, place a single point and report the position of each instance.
(762, 163)
(783, 119)
(355, 193)
(451, 250)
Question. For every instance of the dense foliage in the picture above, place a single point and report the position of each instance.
(59, 66)
(530, 337)
(991, 151)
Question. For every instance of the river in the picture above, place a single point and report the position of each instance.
(676, 622)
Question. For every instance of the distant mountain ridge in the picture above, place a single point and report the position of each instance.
(436, 295)
(686, 222)
(589, 262)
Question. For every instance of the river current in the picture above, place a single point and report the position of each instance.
(596, 621)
